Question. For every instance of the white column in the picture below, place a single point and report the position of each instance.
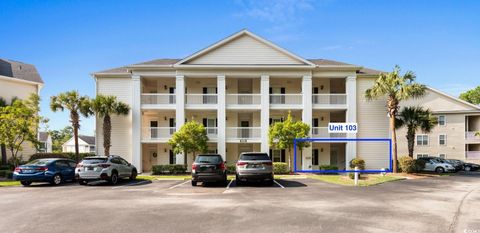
(221, 117)
(265, 111)
(307, 118)
(351, 117)
(180, 107)
(136, 123)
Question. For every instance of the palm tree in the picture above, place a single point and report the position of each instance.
(105, 106)
(396, 88)
(414, 118)
(77, 105)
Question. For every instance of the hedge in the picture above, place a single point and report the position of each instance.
(64, 155)
(408, 165)
(169, 169)
(231, 169)
(280, 168)
(328, 167)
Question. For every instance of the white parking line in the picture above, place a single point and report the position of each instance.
(178, 185)
(281, 186)
(131, 184)
(231, 181)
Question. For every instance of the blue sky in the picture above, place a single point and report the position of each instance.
(68, 40)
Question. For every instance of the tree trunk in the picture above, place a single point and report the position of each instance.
(75, 124)
(185, 159)
(289, 160)
(4, 154)
(392, 106)
(14, 157)
(411, 142)
(107, 132)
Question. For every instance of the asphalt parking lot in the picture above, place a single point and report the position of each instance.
(442, 204)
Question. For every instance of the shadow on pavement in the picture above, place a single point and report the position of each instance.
(291, 183)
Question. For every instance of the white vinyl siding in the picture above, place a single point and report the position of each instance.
(121, 138)
(244, 50)
(372, 123)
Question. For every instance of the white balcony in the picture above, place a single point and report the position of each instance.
(322, 132)
(329, 100)
(286, 101)
(157, 134)
(201, 101)
(212, 132)
(243, 134)
(471, 136)
(158, 101)
(240, 101)
(473, 154)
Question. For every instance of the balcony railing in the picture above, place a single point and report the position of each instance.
(285, 98)
(201, 99)
(471, 136)
(157, 133)
(322, 132)
(329, 99)
(158, 98)
(243, 132)
(473, 154)
(212, 132)
(243, 99)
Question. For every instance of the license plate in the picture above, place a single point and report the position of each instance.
(89, 169)
(207, 169)
(254, 166)
(28, 171)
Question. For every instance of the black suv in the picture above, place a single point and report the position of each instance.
(209, 168)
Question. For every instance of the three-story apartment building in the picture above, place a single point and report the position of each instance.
(237, 88)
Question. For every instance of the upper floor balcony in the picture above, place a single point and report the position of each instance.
(472, 137)
(243, 134)
(157, 134)
(201, 101)
(158, 101)
(329, 101)
(243, 101)
(286, 101)
(322, 132)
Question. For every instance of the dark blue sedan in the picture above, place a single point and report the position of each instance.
(54, 171)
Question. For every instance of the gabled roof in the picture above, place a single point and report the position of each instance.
(245, 33)
(476, 107)
(88, 139)
(19, 70)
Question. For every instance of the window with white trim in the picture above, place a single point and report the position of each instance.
(422, 155)
(443, 156)
(442, 120)
(422, 140)
(442, 139)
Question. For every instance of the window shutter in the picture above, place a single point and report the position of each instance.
(205, 122)
(216, 90)
(270, 121)
(204, 90)
(282, 90)
(270, 154)
(216, 122)
(171, 122)
(283, 155)
(315, 90)
(270, 91)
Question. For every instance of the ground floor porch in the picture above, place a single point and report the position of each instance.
(321, 154)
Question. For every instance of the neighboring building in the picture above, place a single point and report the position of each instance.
(86, 144)
(237, 87)
(45, 142)
(19, 80)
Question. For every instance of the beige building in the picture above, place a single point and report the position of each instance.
(19, 80)
(237, 88)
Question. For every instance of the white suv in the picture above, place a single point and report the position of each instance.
(438, 165)
(109, 168)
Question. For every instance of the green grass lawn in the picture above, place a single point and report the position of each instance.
(345, 180)
(7, 183)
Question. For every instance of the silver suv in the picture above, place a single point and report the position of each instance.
(109, 168)
(254, 166)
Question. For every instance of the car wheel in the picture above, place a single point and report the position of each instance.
(439, 170)
(133, 176)
(113, 178)
(270, 182)
(194, 183)
(467, 168)
(56, 180)
(25, 183)
(82, 182)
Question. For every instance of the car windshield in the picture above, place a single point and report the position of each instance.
(39, 162)
(94, 160)
(208, 159)
(259, 156)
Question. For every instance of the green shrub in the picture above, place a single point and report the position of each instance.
(419, 165)
(356, 162)
(6, 174)
(3, 173)
(407, 164)
(169, 169)
(231, 169)
(280, 168)
(63, 155)
(328, 167)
